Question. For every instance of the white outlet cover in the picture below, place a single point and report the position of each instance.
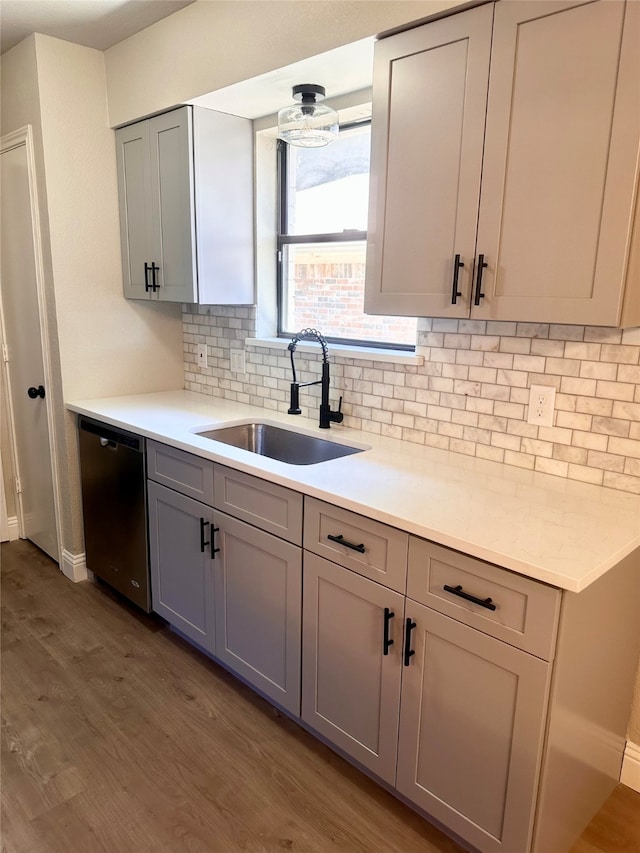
(238, 363)
(542, 400)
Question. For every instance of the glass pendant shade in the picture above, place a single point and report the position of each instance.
(308, 124)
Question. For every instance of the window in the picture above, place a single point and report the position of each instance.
(324, 194)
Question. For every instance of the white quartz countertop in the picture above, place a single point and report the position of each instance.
(554, 530)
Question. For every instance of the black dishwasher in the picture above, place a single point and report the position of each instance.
(113, 476)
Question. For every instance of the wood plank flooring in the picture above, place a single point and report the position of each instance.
(118, 737)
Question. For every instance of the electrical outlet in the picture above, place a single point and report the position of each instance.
(238, 363)
(542, 400)
(202, 355)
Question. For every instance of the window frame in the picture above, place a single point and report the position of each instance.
(283, 238)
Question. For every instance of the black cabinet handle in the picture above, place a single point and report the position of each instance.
(214, 550)
(154, 269)
(408, 651)
(482, 264)
(147, 270)
(457, 590)
(386, 642)
(34, 392)
(342, 541)
(203, 526)
(455, 293)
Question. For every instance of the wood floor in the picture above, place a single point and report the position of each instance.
(118, 737)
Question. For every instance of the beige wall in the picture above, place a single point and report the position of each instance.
(103, 345)
(634, 722)
(20, 106)
(214, 43)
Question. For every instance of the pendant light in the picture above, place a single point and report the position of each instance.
(308, 124)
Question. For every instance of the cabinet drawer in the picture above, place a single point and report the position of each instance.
(265, 505)
(525, 613)
(182, 471)
(380, 551)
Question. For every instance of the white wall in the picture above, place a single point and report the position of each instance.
(214, 43)
(103, 345)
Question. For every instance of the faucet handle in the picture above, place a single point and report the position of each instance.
(337, 416)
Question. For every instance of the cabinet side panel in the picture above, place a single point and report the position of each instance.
(223, 155)
(596, 662)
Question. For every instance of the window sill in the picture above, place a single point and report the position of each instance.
(343, 351)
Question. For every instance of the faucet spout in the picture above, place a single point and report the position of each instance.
(327, 416)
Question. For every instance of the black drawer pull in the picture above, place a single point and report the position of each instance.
(386, 642)
(214, 550)
(203, 525)
(455, 293)
(482, 265)
(342, 541)
(457, 590)
(408, 651)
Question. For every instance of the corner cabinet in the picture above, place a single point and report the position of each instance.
(505, 142)
(185, 187)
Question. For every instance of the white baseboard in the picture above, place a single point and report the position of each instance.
(14, 529)
(74, 566)
(630, 775)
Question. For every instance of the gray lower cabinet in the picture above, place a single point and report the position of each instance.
(351, 676)
(471, 730)
(258, 599)
(181, 563)
(440, 684)
(233, 588)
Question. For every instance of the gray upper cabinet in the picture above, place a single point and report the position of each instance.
(429, 102)
(504, 150)
(185, 182)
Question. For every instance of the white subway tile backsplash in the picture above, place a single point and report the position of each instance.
(470, 396)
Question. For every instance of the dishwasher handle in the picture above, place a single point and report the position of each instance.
(110, 436)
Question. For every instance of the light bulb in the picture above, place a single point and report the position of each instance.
(308, 124)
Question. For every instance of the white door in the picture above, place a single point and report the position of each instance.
(25, 368)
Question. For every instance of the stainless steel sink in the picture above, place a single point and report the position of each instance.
(285, 445)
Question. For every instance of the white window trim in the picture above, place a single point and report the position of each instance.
(363, 353)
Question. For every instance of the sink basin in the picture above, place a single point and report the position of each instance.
(285, 445)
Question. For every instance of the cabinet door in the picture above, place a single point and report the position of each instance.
(258, 593)
(350, 688)
(173, 216)
(181, 563)
(134, 196)
(563, 124)
(471, 731)
(429, 101)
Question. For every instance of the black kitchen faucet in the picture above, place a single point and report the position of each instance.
(327, 415)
